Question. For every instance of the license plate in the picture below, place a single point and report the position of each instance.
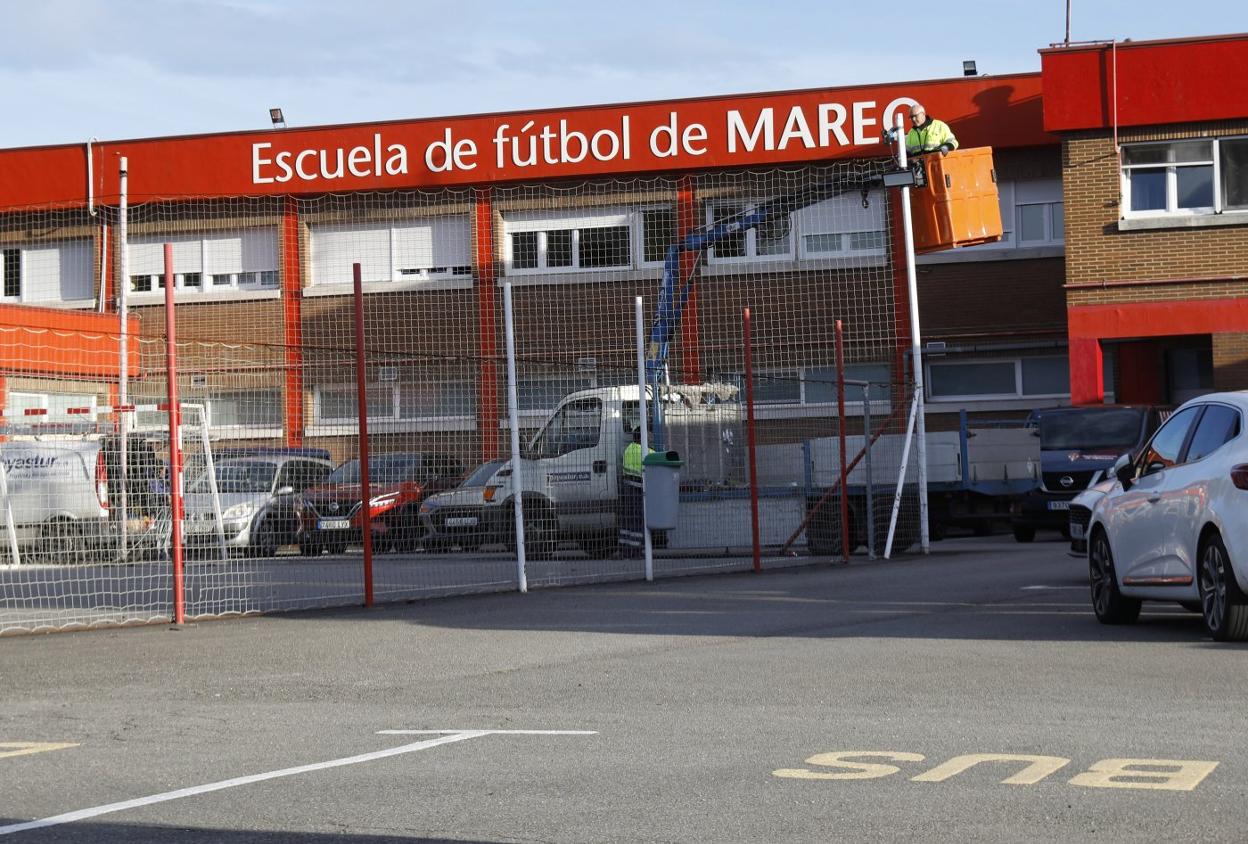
(462, 521)
(334, 524)
(1059, 505)
(1076, 531)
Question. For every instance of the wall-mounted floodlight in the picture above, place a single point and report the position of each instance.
(279, 120)
(911, 177)
(968, 68)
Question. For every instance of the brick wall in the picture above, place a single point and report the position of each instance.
(1097, 251)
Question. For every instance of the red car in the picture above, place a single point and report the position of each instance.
(332, 514)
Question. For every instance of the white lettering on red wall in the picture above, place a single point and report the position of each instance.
(514, 145)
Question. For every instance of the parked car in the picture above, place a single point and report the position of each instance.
(65, 510)
(257, 497)
(1078, 445)
(1081, 507)
(1172, 526)
(455, 517)
(332, 513)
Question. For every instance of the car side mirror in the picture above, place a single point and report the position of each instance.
(285, 490)
(1124, 471)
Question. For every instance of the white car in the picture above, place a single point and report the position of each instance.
(1174, 524)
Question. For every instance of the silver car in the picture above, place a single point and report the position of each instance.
(455, 517)
(258, 502)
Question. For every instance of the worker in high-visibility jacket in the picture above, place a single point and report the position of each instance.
(927, 134)
(630, 517)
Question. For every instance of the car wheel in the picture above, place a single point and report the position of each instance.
(264, 539)
(1024, 534)
(61, 541)
(1223, 605)
(541, 532)
(1109, 604)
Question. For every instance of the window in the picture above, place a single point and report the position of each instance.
(1218, 426)
(245, 408)
(1001, 378)
(1166, 444)
(563, 242)
(574, 427)
(243, 260)
(55, 403)
(1233, 163)
(658, 234)
(816, 385)
(771, 240)
(396, 402)
(60, 272)
(417, 250)
(1206, 176)
(841, 227)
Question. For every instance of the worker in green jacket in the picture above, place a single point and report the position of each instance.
(630, 514)
(927, 134)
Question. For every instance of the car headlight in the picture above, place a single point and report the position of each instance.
(239, 511)
(384, 500)
(428, 507)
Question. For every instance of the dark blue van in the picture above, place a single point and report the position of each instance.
(1078, 445)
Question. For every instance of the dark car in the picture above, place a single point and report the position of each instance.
(1078, 445)
(332, 514)
(455, 517)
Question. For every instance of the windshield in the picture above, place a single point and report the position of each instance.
(1085, 430)
(383, 469)
(252, 476)
(482, 474)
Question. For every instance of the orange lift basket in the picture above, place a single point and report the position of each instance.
(959, 206)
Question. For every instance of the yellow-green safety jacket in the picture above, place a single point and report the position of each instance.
(632, 459)
(930, 137)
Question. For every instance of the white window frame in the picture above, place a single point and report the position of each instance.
(807, 227)
(241, 281)
(1018, 379)
(1171, 171)
(242, 429)
(751, 255)
(396, 406)
(28, 289)
(627, 219)
(639, 236)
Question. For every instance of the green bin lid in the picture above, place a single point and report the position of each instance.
(663, 458)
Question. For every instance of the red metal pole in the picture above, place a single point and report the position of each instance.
(175, 443)
(749, 427)
(840, 409)
(366, 508)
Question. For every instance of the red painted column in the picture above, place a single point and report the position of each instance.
(292, 323)
(686, 221)
(1087, 376)
(486, 273)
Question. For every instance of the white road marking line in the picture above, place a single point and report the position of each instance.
(445, 737)
(490, 732)
(1032, 588)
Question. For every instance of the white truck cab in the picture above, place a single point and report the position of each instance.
(570, 470)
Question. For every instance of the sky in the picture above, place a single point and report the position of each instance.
(115, 69)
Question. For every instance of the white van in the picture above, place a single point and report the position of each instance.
(58, 495)
(570, 469)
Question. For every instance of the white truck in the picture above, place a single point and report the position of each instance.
(570, 470)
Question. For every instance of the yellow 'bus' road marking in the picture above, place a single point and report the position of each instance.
(25, 748)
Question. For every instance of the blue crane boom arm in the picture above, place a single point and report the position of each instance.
(674, 292)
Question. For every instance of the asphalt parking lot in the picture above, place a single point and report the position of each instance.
(868, 702)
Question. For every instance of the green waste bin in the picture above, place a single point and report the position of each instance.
(662, 474)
